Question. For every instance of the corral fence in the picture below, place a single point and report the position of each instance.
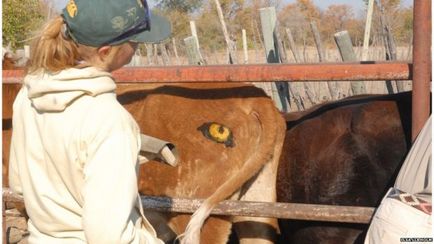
(419, 72)
(254, 73)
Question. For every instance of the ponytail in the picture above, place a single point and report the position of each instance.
(52, 50)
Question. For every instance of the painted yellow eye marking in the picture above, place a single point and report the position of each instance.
(218, 133)
(71, 8)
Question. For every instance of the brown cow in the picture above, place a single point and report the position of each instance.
(229, 138)
(12, 60)
(211, 169)
(342, 153)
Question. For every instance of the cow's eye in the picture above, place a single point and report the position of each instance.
(218, 133)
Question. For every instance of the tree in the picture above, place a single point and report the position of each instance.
(179, 14)
(20, 19)
(294, 18)
(235, 15)
(398, 19)
(389, 5)
(402, 24)
(309, 9)
(339, 17)
(180, 23)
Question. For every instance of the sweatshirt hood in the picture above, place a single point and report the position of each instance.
(55, 92)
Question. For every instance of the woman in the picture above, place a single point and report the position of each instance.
(74, 147)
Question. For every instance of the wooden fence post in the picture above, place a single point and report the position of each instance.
(317, 39)
(259, 34)
(246, 54)
(345, 46)
(286, 87)
(297, 59)
(194, 32)
(193, 53)
(268, 23)
(229, 42)
(292, 46)
(156, 59)
(135, 60)
(255, 43)
(366, 38)
(389, 44)
(367, 35)
(318, 42)
(165, 56)
(149, 55)
(175, 50)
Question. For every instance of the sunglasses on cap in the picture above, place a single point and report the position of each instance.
(143, 25)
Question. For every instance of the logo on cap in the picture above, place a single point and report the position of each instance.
(71, 8)
(119, 23)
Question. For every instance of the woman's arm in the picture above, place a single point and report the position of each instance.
(110, 192)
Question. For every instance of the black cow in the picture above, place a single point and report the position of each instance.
(342, 153)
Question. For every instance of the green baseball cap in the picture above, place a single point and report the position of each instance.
(111, 22)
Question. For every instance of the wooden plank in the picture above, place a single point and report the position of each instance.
(254, 73)
(268, 24)
(156, 59)
(387, 42)
(367, 34)
(292, 46)
(318, 42)
(293, 89)
(331, 86)
(175, 50)
(345, 46)
(246, 53)
(194, 32)
(164, 55)
(149, 54)
(193, 53)
(314, 212)
(230, 44)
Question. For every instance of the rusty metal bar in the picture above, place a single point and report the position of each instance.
(315, 212)
(422, 65)
(255, 73)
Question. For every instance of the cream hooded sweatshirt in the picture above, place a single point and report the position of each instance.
(74, 159)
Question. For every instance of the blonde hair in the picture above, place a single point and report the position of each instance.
(53, 51)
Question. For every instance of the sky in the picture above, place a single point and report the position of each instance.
(357, 4)
(323, 4)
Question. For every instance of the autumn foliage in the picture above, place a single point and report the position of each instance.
(19, 22)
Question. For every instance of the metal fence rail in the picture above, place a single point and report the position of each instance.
(365, 71)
